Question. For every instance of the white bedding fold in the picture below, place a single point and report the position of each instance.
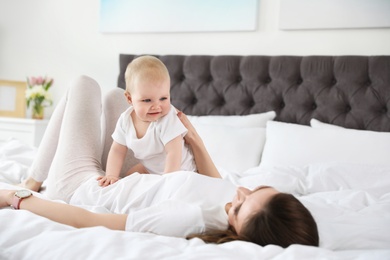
(15, 158)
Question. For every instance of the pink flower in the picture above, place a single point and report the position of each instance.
(46, 82)
(39, 81)
(32, 81)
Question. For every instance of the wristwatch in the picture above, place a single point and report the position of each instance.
(18, 197)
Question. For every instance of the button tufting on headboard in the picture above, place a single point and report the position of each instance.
(350, 91)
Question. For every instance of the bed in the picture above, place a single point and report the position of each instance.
(315, 126)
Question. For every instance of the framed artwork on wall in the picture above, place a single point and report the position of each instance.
(333, 14)
(12, 98)
(140, 16)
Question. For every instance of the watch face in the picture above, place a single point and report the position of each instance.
(23, 193)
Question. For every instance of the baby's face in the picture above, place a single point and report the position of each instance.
(151, 99)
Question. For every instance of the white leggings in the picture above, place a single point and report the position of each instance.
(78, 137)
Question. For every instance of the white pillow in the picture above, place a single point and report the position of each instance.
(233, 148)
(254, 120)
(318, 124)
(299, 145)
(235, 143)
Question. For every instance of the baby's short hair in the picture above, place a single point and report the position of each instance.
(145, 68)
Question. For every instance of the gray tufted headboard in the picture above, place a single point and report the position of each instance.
(350, 91)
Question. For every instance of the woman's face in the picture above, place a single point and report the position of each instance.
(247, 202)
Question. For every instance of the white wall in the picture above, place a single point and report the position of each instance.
(61, 39)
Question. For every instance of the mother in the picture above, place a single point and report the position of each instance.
(183, 204)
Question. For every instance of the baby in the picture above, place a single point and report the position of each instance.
(150, 126)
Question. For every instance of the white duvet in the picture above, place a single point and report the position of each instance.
(351, 204)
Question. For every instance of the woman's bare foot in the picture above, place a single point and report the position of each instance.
(30, 184)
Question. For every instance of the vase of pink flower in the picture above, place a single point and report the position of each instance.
(38, 96)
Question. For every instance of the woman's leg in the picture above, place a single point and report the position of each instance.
(70, 149)
(40, 167)
(114, 104)
(79, 148)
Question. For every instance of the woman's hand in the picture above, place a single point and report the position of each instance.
(203, 161)
(104, 181)
(192, 137)
(6, 197)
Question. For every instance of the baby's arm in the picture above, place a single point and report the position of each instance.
(115, 160)
(173, 150)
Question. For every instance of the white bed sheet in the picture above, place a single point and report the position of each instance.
(351, 204)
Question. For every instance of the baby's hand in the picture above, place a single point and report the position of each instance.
(104, 181)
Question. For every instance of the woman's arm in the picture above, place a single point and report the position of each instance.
(204, 163)
(65, 213)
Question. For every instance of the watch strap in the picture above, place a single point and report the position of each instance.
(16, 202)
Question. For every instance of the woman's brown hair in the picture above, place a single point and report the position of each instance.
(283, 221)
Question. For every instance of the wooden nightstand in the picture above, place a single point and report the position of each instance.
(29, 131)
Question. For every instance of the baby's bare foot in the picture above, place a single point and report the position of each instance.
(30, 184)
